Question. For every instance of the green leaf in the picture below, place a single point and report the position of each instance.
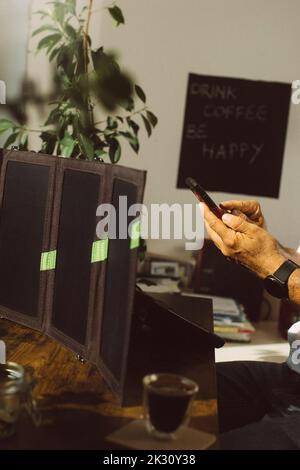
(54, 53)
(76, 152)
(42, 13)
(111, 123)
(108, 84)
(129, 105)
(6, 124)
(48, 41)
(152, 118)
(65, 60)
(53, 117)
(50, 47)
(45, 27)
(62, 8)
(49, 140)
(147, 125)
(59, 10)
(133, 125)
(79, 53)
(71, 4)
(132, 140)
(11, 139)
(100, 153)
(86, 146)
(61, 125)
(75, 124)
(23, 144)
(140, 93)
(65, 81)
(117, 15)
(104, 63)
(67, 145)
(71, 32)
(114, 150)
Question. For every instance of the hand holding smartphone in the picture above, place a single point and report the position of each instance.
(202, 196)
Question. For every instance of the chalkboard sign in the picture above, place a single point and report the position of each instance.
(234, 134)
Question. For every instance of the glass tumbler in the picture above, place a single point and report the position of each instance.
(167, 403)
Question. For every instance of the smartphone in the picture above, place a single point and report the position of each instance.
(202, 196)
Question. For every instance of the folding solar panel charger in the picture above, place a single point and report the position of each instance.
(57, 277)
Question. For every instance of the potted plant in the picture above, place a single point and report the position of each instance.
(86, 80)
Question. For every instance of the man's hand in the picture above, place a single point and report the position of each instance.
(250, 208)
(245, 242)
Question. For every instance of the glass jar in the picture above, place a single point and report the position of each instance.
(16, 385)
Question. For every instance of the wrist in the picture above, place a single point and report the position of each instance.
(294, 286)
(271, 264)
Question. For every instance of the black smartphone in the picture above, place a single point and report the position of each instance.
(202, 196)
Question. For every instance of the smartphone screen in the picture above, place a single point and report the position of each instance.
(202, 196)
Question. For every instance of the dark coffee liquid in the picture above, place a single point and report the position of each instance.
(167, 409)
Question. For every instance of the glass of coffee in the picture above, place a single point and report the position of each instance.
(167, 403)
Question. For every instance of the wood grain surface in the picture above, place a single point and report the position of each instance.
(77, 409)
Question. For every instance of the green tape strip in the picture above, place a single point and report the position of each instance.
(99, 251)
(48, 260)
(135, 234)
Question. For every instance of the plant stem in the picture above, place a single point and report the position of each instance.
(86, 34)
(139, 111)
(26, 129)
(86, 55)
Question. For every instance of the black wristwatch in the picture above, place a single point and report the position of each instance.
(277, 283)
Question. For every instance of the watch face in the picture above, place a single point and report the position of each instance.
(275, 287)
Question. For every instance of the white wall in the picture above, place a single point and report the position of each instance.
(14, 16)
(164, 40)
(161, 42)
(14, 22)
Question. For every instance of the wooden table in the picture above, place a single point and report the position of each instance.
(78, 410)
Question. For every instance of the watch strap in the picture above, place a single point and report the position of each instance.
(285, 270)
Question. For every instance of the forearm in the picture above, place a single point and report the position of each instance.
(294, 287)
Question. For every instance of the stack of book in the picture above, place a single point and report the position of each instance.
(158, 285)
(230, 321)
